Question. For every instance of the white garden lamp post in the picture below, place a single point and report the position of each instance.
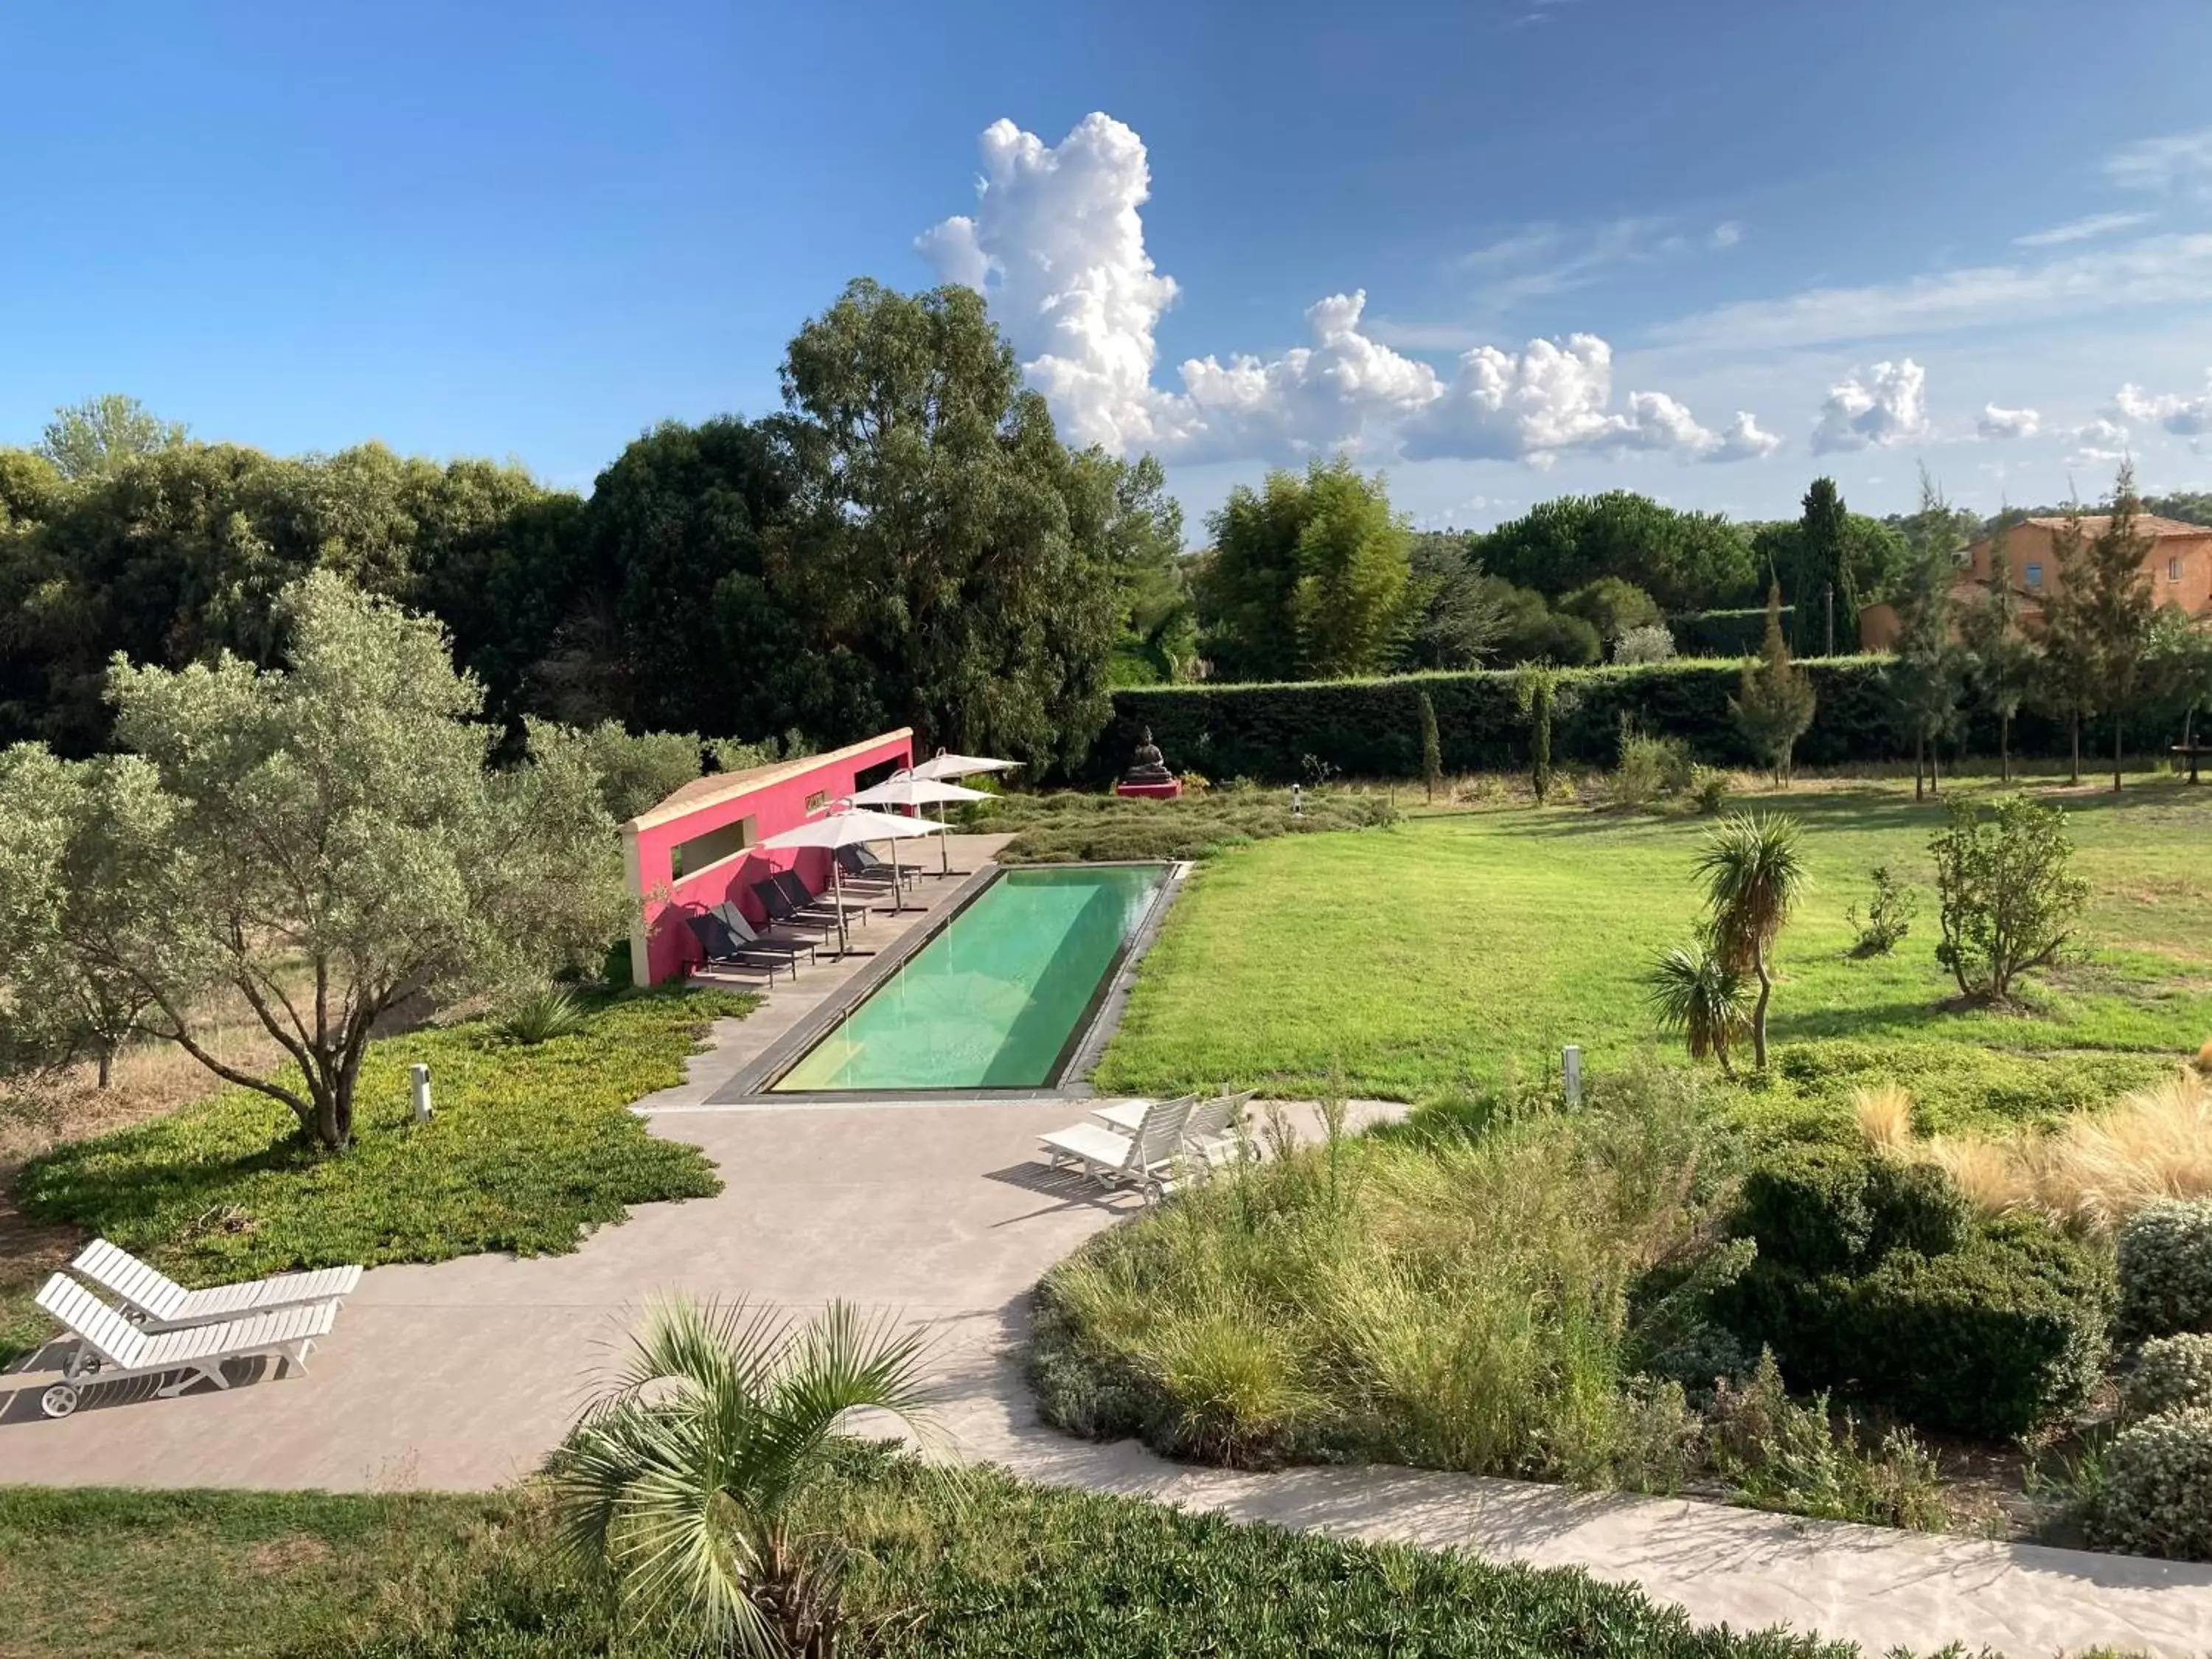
(846, 825)
(905, 789)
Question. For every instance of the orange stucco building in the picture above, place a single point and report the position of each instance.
(2178, 559)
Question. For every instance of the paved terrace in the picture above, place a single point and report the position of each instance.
(464, 1374)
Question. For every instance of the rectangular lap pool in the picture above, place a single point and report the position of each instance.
(1001, 997)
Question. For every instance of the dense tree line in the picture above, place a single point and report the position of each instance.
(907, 541)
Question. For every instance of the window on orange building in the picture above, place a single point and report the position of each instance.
(2174, 570)
(2034, 575)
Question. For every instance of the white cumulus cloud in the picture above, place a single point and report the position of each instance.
(2100, 442)
(1890, 406)
(1996, 422)
(1056, 245)
(2187, 417)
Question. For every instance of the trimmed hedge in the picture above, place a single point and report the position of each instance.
(1372, 729)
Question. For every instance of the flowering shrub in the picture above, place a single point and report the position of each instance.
(2171, 1373)
(2157, 1496)
(2165, 1270)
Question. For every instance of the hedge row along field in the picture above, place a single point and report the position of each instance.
(1372, 729)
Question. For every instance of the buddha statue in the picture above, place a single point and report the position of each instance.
(1147, 765)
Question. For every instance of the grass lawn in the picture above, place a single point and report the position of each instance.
(1423, 961)
(987, 1570)
(531, 1147)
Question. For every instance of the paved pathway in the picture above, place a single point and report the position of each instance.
(464, 1374)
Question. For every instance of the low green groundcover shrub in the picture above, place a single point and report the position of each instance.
(1959, 1086)
(2171, 1372)
(1871, 1279)
(982, 1568)
(532, 1146)
(2165, 1269)
(1057, 828)
(2156, 1498)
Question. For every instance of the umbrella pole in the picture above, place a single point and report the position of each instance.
(944, 854)
(837, 888)
(898, 880)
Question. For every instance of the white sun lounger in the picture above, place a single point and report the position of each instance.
(1143, 1160)
(158, 1303)
(1209, 1133)
(122, 1349)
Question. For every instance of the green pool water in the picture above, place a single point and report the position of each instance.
(992, 1001)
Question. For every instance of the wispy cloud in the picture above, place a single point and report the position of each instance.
(2178, 164)
(2080, 230)
(2153, 270)
(1537, 261)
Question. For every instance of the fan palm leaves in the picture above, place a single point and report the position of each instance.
(678, 1484)
(1694, 992)
(1753, 869)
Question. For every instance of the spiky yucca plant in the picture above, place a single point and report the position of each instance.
(678, 1484)
(1692, 991)
(1753, 869)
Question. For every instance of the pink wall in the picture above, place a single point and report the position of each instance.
(661, 945)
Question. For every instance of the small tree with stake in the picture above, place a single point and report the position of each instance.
(1433, 751)
(1926, 676)
(2115, 604)
(1774, 705)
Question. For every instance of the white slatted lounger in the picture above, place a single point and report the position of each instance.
(1209, 1133)
(125, 1350)
(1143, 1160)
(162, 1304)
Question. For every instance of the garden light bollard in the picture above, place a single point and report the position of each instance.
(1297, 803)
(1570, 1067)
(420, 1074)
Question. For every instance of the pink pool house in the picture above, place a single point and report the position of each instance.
(700, 845)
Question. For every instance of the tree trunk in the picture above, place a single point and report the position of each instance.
(1759, 1008)
(105, 1062)
(1935, 770)
(2075, 726)
(2004, 748)
(2119, 733)
(1919, 766)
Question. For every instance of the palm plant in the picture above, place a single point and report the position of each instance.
(676, 1486)
(1694, 992)
(1754, 874)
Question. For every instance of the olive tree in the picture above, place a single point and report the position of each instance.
(328, 840)
(75, 838)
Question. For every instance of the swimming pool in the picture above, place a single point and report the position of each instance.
(1001, 997)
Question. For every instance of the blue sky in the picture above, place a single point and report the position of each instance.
(1749, 242)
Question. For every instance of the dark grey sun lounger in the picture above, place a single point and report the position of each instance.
(860, 863)
(753, 939)
(781, 911)
(788, 883)
(724, 953)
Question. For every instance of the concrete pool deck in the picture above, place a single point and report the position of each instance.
(464, 1374)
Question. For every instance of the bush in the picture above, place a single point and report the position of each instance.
(1708, 787)
(2156, 1498)
(1997, 1339)
(1777, 1454)
(1888, 915)
(1649, 768)
(2005, 899)
(2165, 1270)
(1870, 1277)
(2171, 1372)
(1652, 643)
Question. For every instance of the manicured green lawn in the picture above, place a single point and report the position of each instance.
(1423, 961)
(532, 1146)
(987, 1570)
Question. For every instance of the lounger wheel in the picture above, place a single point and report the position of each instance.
(59, 1400)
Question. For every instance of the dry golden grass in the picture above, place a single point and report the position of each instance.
(1885, 1116)
(2089, 1175)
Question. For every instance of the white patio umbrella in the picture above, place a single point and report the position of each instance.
(906, 789)
(846, 825)
(945, 765)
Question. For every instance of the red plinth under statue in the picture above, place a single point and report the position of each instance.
(1148, 777)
